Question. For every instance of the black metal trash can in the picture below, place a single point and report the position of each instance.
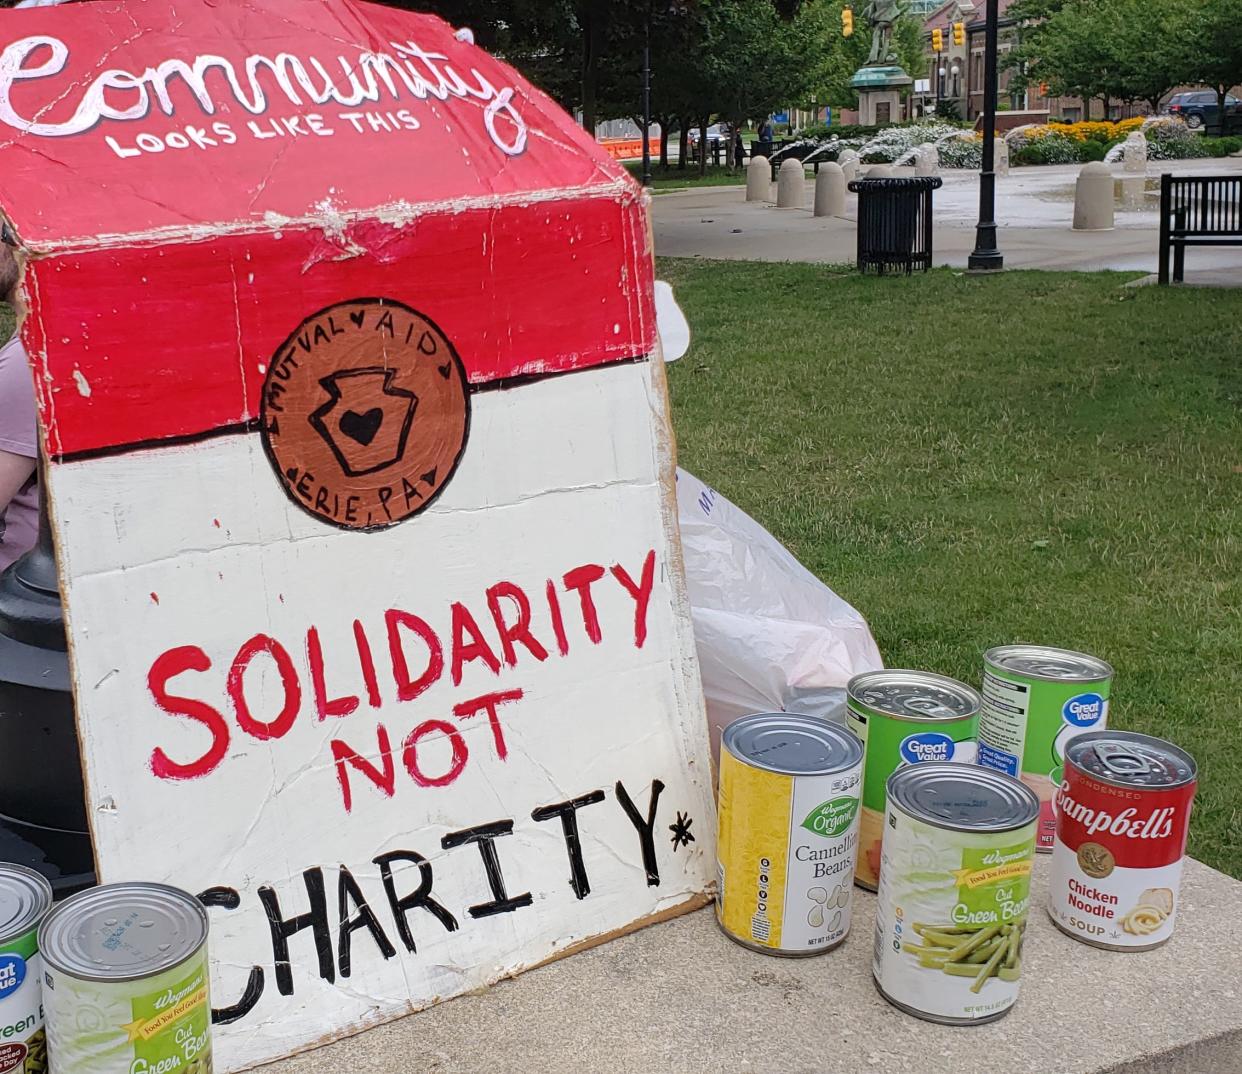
(43, 823)
(895, 223)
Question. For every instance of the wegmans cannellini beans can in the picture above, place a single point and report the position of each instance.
(25, 897)
(954, 896)
(126, 982)
(1123, 815)
(904, 718)
(788, 832)
(1036, 700)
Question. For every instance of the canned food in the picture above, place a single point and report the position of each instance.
(126, 982)
(1035, 701)
(903, 718)
(951, 913)
(788, 832)
(1123, 815)
(24, 898)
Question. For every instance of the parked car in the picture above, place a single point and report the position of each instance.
(716, 133)
(1200, 108)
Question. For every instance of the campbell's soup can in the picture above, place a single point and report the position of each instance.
(1123, 815)
(788, 832)
(955, 892)
(904, 718)
(1036, 700)
(125, 984)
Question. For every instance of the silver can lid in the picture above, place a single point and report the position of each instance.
(913, 695)
(825, 702)
(122, 932)
(963, 797)
(1128, 759)
(25, 897)
(1048, 664)
(792, 744)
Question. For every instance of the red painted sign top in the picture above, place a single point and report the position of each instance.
(195, 180)
(122, 118)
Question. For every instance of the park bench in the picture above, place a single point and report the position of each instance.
(792, 150)
(1197, 210)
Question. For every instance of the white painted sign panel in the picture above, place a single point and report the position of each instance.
(365, 522)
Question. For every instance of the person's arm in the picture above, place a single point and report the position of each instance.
(15, 471)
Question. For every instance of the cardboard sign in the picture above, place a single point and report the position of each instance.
(360, 471)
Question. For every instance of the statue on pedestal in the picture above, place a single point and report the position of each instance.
(882, 14)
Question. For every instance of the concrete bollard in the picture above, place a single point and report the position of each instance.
(848, 160)
(1000, 157)
(758, 179)
(1093, 198)
(926, 160)
(830, 190)
(791, 185)
(880, 171)
(1135, 159)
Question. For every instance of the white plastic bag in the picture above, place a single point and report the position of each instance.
(770, 635)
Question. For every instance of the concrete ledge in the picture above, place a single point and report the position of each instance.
(680, 997)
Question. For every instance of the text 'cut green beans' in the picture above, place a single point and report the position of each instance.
(961, 951)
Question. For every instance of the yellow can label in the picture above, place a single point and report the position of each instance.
(785, 855)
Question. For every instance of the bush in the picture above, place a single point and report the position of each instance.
(964, 152)
(1221, 147)
(1097, 130)
(1093, 149)
(1168, 138)
(1049, 148)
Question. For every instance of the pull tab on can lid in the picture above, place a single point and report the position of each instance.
(1128, 759)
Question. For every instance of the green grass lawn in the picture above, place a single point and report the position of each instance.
(1040, 457)
(672, 178)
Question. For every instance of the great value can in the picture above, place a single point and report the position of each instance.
(1123, 815)
(24, 898)
(1036, 700)
(951, 914)
(788, 832)
(904, 718)
(126, 982)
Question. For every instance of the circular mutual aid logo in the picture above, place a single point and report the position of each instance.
(927, 746)
(1083, 710)
(365, 413)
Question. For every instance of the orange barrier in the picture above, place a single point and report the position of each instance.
(628, 148)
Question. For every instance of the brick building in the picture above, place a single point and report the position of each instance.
(963, 67)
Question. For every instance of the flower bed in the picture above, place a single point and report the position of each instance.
(1168, 138)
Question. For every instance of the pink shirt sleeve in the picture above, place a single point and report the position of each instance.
(18, 433)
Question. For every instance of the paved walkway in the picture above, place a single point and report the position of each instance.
(1034, 211)
(680, 998)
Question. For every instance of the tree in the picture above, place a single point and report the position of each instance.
(1073, 48)
(1215, 48)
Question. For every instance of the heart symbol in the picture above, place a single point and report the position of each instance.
(362, 427)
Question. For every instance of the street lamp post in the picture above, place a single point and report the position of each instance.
(986, 256)
(940, 73)
(647, 100)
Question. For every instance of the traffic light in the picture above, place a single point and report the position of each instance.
(1043, 89)
(937, 41)
(959, 34)
(847, 22)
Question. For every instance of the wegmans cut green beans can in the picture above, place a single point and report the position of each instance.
(25, 897)
(126, 982)
(954, 898)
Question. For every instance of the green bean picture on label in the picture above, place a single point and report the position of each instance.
(954, 897)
